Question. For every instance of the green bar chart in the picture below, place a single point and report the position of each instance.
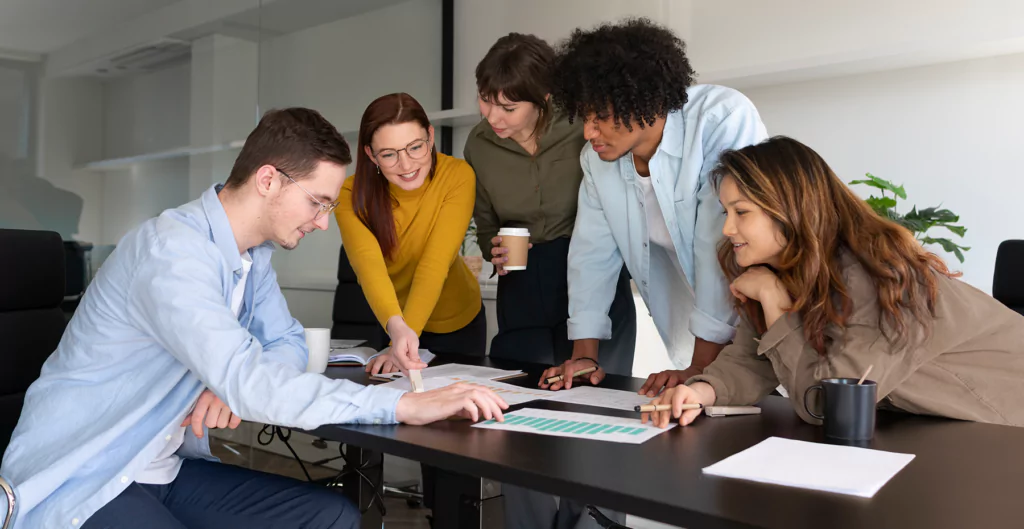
(576, 425)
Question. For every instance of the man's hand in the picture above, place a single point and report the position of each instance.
(216, 413)
(471, 401)
(405, 345)
(383, 363)
(567, 370)
(669, 378)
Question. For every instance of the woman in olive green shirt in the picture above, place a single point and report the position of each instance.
(526, 160)
(527, 164)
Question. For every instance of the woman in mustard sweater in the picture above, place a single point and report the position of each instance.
(403, 216)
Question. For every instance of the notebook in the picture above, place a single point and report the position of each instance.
(360, 356)
(830, 468)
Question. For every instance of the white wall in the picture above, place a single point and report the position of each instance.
(142, 114)
(338, 69)
(70, 121)
(950, 133)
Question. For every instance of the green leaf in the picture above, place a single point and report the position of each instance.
(883, 184)
(959, 230)
(938, 215)
(881, 204)
(948, 246)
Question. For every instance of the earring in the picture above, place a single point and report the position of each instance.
(378, 169)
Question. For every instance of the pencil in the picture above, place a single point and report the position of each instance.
(647, 408)
(556, 378)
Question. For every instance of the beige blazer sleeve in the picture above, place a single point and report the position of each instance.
(739, 375)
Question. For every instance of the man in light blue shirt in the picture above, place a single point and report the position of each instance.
(646, 198)
(187, 313)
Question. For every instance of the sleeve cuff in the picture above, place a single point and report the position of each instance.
(782, 328)
(382, 403)
(722, 396)
(708, 328)
(590, 325)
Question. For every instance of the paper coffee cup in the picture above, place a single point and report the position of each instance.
(319, 343)
(517, 240)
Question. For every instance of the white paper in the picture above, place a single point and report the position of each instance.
(576, 425)
(454, 370)
(511, 394)
(601, 397)
(363, 355)
(831, 468)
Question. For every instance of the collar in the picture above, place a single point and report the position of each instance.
(672, 136)
(220, 228)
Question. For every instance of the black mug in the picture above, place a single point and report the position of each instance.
(849, 408)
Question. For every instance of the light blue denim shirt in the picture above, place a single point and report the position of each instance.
(154, 329)
(611, 223)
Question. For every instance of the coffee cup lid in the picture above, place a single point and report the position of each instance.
(515, 232)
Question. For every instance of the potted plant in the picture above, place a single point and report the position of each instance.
(917, 221)
(469, 244)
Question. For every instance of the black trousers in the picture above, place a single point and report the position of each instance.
(215, 495)
(533, 311)
(469, 340)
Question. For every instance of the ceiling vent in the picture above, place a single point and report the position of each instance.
(148, 57)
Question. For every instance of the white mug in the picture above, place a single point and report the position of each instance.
(319, 343)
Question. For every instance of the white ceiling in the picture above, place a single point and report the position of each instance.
(42, 26)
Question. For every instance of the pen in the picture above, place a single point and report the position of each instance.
(647, 408)
(556, 378)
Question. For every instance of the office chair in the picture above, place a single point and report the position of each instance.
(1008, 279)
(31, 323)
(352, 317)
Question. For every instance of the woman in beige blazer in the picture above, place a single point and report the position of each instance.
(827, 287)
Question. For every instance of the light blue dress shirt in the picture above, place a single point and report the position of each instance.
(154, 329)
(611, 223)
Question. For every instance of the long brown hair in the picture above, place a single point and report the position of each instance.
(821, 218)
(371, 194)
(519, 67)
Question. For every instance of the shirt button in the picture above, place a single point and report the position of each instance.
(644, 283)
(74, 521)
(124, 479)
(168, 438)
(376, 421)
(645, 245)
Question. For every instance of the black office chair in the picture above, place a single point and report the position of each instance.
(1008, 280)
(352, 317)
(31, 323)
(77, 268)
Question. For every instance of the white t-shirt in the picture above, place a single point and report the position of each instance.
(657, 230)
(164, 468)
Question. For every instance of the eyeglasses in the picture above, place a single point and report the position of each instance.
(415, 150)
(323, 209)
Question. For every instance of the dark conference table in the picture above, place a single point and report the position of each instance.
(965, 474)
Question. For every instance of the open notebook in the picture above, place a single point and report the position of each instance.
(360, 356)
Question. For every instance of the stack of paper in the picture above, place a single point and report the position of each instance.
(601, 397)
(362, 356)
(456, 370)
(831, 468)
(511, 394)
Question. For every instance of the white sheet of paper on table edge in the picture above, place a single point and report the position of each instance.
(892, 463)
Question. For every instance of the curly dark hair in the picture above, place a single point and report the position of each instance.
(637, 67)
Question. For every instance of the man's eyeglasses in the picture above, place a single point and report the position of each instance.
(415, 150)
(324, 209)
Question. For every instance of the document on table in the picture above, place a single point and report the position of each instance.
(576, 425)
(601, 397)
(457, 370)
(511, 394)
(830, 468)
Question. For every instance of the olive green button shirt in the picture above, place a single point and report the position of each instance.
(515, 189)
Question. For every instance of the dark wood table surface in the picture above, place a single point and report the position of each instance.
(965, 475)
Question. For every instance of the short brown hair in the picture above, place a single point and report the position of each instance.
(294, 140)
(518, 67)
